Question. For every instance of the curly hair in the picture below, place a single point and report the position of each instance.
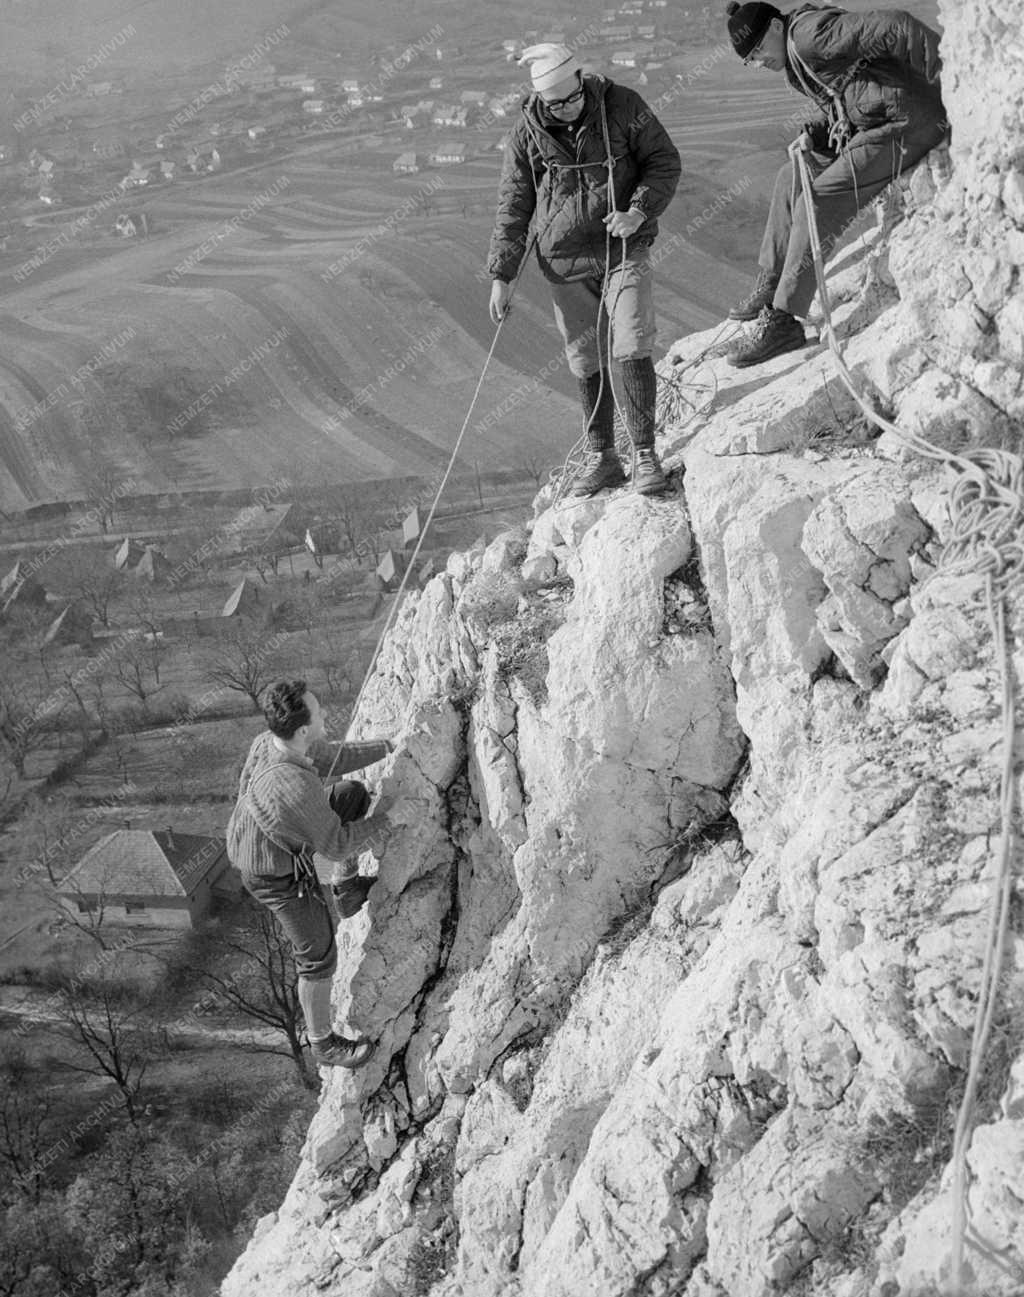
(285, 708)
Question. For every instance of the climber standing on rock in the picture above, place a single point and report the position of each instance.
(592, 167)
(283, 815)
(875, 76)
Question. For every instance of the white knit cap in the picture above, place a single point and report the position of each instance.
(549, 64)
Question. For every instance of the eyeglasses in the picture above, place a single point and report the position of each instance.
(574, 98)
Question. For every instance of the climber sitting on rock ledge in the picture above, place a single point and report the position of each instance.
(283, 815)
(875, 76)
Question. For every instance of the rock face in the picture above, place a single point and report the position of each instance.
(675, 955)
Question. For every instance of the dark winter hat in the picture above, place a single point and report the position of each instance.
(748, 24)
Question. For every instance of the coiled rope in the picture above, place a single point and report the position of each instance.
(986, 506)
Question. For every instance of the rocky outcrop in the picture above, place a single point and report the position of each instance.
(675, 953)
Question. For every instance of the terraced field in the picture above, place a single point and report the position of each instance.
(335, 331)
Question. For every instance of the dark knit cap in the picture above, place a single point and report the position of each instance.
(748, 24)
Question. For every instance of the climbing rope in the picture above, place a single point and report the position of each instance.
(986, 506)
(395, 603)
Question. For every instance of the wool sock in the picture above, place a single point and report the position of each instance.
(641, 384)
(602, 431)
(315, 999)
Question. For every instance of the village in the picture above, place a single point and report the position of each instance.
(108, 143)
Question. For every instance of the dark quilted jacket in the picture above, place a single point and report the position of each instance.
(570, 192)
(884, 63)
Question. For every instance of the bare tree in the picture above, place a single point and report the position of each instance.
(27, 715)
(245, 663)
(261, 984)
(26, 1123)
(104, 488)
(83, 573)
(107, 1029)
(137, 666)
(536, 465)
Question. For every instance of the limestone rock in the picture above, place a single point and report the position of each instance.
(676, 947)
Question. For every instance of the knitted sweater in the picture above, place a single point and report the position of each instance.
(282, 807)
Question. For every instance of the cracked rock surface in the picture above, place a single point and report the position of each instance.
(675, 952)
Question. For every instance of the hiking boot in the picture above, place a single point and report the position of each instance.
(777, 332)
(648, 476)
(339, 1051)
(600, 470)
(762, 295)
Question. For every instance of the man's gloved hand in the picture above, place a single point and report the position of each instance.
(350, 894)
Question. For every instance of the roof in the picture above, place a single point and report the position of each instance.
(388, 567)
(243, 596)
(153, 563)
(18, 573)
(128, 553)
(412, 526)
(70, 626)
(144, 862)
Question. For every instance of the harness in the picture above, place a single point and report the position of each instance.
(551, 166)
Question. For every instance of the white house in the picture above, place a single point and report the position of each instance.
(315, 106)
(406, 162)
(449, 154)
(450, 115)
(150, 878)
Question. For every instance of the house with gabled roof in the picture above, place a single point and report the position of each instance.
(389, 570)
(20, 586)
(150, 878)
(73, 625)
(448, 155)
(154, 565)
(243, 601)
(128, 554)
(411, 528)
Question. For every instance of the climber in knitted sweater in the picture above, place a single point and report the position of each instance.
(283, 815)
(874, 77)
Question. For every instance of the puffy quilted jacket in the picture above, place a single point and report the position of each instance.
(568, 189)
(883, 64)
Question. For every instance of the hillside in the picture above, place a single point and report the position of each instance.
(678, 949)
(307, 311)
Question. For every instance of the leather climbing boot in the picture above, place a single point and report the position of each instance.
(776, 332)
(762, 295)
(339, 1051)
(601, 470)
(648, 476)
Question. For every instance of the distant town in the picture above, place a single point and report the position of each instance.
(103, 142)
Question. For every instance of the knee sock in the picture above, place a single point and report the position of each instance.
(641, 384)
(602, 430)
(315, 999)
